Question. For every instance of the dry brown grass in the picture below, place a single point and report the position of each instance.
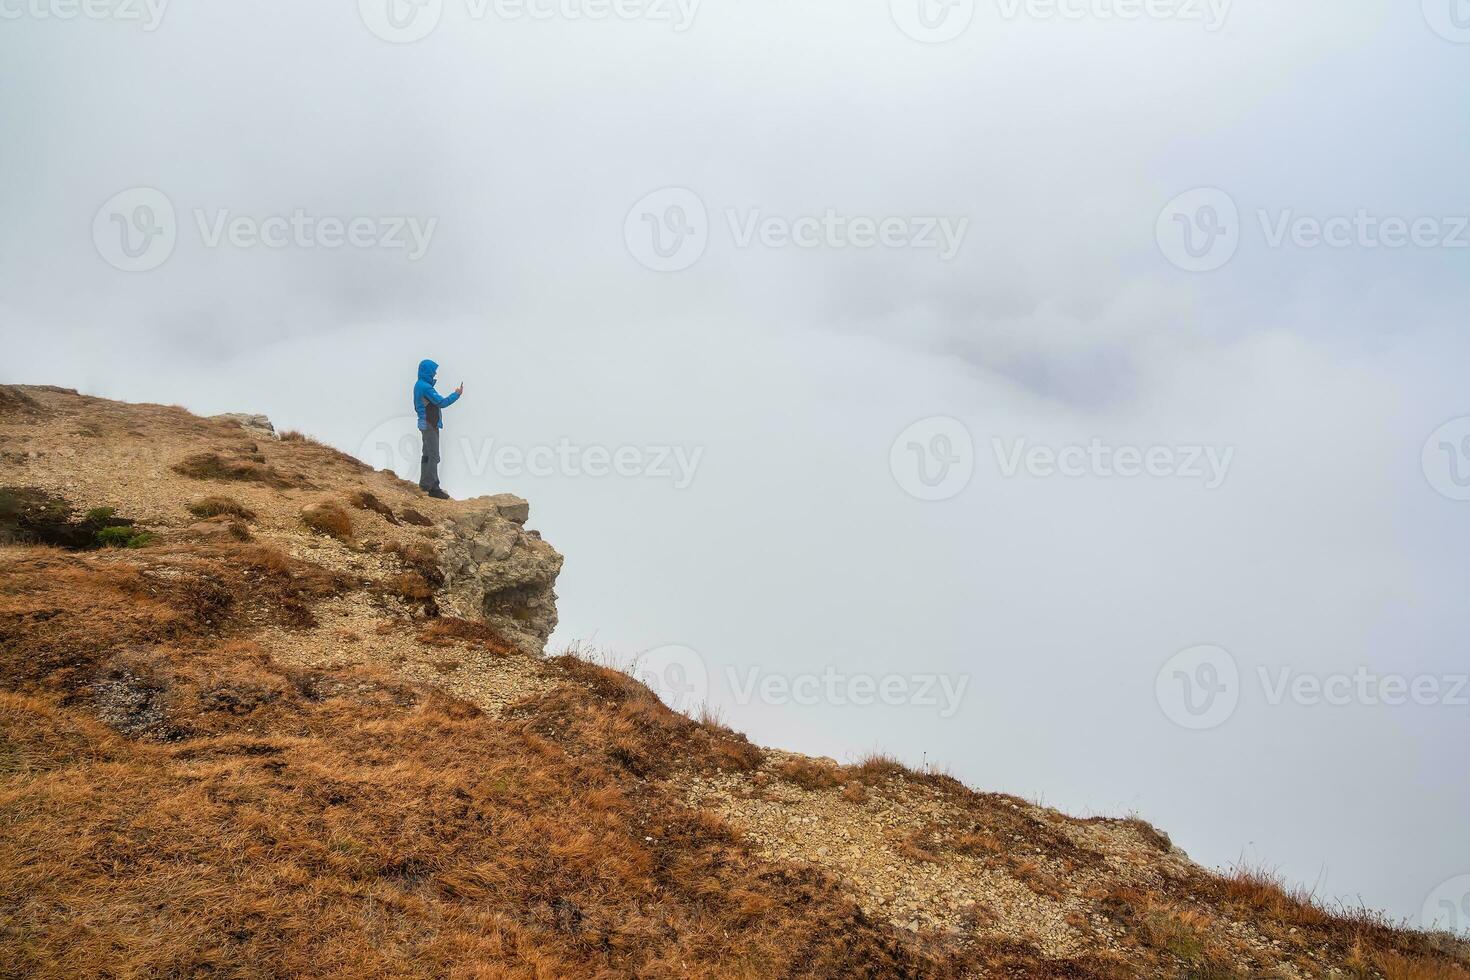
(62, 614)
(1188, 936)
(218, 505)
(328, 518)
(875, 768)
(345, 823)
(730, 751)
(1033, 873)
(1172, 939)
(317, 457)
(1396, 966)
(1264, 893)
(174, 802)
(809, 774)
(919, 846)
(419, 557)
(363, 500)
(409, 586)
(976, 844)
(447, 631)
(630, 726)
(213, 466)
(1285, 913)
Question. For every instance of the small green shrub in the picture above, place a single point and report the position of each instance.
(101, 515)
(124, 537)
(115, 537)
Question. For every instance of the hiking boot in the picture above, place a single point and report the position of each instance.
(438, 494)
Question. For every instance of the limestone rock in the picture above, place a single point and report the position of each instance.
(257, 425)
(496, 571)
(504, 505)
(494, 543)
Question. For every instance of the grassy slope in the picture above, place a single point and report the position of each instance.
(174, 802)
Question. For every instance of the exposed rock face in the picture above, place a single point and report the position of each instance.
(497, 571)
(257, 425)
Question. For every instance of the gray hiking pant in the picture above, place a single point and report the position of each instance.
(429, 462)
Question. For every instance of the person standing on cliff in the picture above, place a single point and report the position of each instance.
(428, 404)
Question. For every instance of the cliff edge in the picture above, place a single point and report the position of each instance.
(265, 711)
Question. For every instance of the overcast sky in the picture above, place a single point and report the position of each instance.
(883, 304)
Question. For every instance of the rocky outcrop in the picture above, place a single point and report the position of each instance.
(258, 426)
(474, 558)
(496, 570)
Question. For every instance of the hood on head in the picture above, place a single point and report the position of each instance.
(427, 370)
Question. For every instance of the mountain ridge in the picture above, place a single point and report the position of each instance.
(265, 710)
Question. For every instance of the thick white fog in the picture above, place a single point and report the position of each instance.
(1070, 396)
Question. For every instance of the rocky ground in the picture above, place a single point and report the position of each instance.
(343, 586)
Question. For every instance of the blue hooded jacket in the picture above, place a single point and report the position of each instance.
(426, 401)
